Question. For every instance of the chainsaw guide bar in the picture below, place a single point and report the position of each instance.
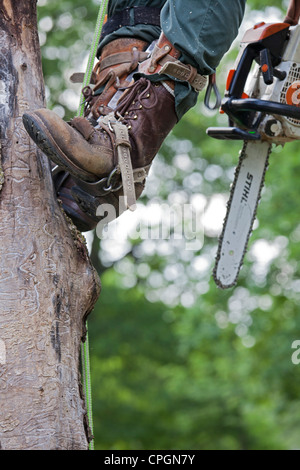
(241, 212)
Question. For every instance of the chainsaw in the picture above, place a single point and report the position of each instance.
(262, 101)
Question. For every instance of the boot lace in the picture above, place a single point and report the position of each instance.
(134, 99)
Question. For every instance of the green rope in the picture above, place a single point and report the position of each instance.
(85, 346)
(86, 369)
(93, 51)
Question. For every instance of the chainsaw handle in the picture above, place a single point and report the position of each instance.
(235, 106)
(293, 13)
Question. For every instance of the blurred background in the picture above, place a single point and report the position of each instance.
(176, 362)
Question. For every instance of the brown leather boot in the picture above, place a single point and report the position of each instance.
(114, 158)
(118, 59)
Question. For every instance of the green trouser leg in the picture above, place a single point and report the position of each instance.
(202, 30)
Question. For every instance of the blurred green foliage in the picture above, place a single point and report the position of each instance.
(176, 362)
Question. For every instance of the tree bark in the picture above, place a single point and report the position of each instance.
(47, 283)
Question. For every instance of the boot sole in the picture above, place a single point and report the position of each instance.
(38, 132)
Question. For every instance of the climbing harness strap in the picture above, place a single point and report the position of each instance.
(113, 182)
(124, 161)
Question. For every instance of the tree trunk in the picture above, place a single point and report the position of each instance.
(47, 283)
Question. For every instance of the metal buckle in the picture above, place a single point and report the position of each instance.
(109, 126)
(109, 186)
